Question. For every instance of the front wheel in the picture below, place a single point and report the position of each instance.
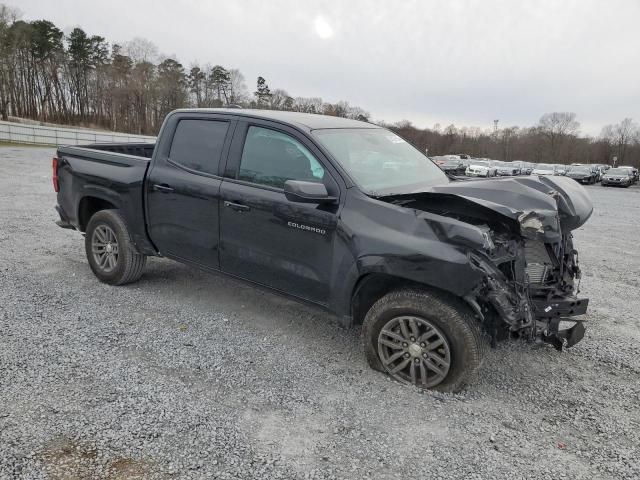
(112, 256)
(419, 338)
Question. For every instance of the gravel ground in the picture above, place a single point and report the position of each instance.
(190, 375)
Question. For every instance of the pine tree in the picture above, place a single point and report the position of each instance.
(262, 92)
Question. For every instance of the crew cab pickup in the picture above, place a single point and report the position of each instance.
(347, 216)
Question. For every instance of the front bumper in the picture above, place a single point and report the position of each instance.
(558, 338)
(549, 314)
(559, 308)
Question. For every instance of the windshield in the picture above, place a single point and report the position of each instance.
(480, 164)
(544, 166)
(579, 170)
(617, 171)
(379, 161)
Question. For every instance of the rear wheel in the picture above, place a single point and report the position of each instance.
(420, 338)
(110, 252)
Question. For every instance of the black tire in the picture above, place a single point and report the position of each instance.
(127, 264)
(450, 318)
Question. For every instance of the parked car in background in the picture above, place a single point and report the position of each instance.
(450, 164)
(583, 174)
(560, 169)
(481, 168)
(544, 169)
(527, 168)
(522, 166)
(603, 170)
(506, 169)
(597, 171)
(621, 177)
(634, 172)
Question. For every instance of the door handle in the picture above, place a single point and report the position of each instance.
(238, 207)
(162, 188)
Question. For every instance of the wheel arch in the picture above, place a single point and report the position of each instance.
(373, 286)
(89, 205)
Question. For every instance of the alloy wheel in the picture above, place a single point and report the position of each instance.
(414, 351)
(104, 247)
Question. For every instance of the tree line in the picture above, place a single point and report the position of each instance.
(81, 79)
(554, 139)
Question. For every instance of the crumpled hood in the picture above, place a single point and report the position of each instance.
(544, 206)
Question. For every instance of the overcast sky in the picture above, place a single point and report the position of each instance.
(463, 62)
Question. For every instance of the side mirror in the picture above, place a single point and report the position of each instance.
(307, 192)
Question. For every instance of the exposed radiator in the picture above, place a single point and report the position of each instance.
(538, 261)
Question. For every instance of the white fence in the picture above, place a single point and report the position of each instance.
(39, 135)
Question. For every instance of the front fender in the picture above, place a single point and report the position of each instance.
(446, 268)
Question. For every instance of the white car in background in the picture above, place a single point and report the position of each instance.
(481, 168)
(544, 169)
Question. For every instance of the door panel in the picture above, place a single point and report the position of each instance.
(183, 187)
(184, 221)
(272, 241)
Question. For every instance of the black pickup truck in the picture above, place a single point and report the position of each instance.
(344, 215)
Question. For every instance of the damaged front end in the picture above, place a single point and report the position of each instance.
(529, 267)
(528, 289)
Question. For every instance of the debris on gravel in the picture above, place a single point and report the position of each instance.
(189, 375)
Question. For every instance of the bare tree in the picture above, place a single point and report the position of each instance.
(140, 50)
(556, 127)
(505, 136)
(308, 104)
(621, 135)
(280, 100)
(238, 92)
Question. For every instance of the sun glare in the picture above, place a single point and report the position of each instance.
(323, 29)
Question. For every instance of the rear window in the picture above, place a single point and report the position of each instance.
(197, 144)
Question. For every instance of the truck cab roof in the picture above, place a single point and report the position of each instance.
(304, 121)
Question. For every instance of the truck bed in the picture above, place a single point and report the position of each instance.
(90, 175)
(144, 150)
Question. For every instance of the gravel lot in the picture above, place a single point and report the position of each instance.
(190, 375)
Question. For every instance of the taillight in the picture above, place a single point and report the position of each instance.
(56, 184)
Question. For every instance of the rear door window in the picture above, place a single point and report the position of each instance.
(197, 144)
